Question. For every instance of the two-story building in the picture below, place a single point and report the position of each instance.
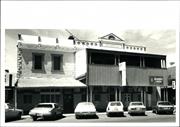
(68, 71)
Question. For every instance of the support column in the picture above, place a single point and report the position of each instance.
(87, 94)
(119, 94)
(142, 92)
(115, 94)
(90, 88)
(15, 97)
(145, 97)
(166, 93)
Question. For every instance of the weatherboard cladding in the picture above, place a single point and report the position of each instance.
(109, 75)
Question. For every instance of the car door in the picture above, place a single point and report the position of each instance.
(58, 109)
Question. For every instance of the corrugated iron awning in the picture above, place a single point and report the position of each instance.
(49, 82)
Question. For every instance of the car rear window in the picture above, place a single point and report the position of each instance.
(44, 105)
(86, 103)
(136, 103)
(164, 103)
(115, 104)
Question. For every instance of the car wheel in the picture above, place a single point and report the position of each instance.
(172, 112)
(77, 116)
(19, 116)
(153, 111)
(156, 112)
(34, 118)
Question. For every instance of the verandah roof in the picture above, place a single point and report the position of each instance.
(49, 82)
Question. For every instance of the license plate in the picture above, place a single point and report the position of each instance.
(115, 109)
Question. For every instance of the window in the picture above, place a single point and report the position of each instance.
(56, 62)
(38, 61)
(130, 60)
(27, 99)
(103, 58)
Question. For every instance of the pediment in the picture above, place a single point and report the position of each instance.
(111, 36)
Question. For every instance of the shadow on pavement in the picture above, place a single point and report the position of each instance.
(117, 115)
(88, 117)
(51, 119)
(10, 120)
(138, 115)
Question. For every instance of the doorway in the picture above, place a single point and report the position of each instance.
(68, 101)
(126, 99)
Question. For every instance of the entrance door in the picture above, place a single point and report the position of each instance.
(68, 103)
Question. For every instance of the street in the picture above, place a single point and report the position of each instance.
(102, 117)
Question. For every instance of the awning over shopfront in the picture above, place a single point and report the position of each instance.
(49, 82)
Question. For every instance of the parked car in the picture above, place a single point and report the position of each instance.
(163, 107)
(174, 111)
(115, 107)
(136, 108)
(46, 110)
(12, 113)
(85, 109)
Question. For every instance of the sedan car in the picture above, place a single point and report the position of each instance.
(115, 107)
(136, 108)
(163, 107)
(85, 109)
(12, 113)
(46, 110)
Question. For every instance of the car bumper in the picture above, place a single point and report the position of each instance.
(85, 113)
(115, 112)
(165, 110)
(137, 111)
(40, 115)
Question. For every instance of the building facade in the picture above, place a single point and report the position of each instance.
(68, 71)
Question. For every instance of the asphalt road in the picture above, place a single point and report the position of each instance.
(101, 117)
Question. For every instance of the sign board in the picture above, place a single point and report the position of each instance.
(173, 84)
(122, 68)
(156, 80)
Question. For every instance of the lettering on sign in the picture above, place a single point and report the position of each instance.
(156, 80)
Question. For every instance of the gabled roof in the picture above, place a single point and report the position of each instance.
(111, 36)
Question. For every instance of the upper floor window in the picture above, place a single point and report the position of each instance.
(38, 61)
(56, 62)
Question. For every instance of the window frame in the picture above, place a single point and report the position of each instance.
(42, 61)
(53, 65)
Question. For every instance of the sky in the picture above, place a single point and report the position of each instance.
(150, 24)
(156, 41)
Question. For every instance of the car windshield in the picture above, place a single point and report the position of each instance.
(164, 103)
(115, 104)
(136, 103)
(44, 106)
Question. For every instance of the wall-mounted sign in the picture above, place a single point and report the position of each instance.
(156, 80)
(122, 68)
(173, 84)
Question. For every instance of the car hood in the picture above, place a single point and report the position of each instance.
(40, 110)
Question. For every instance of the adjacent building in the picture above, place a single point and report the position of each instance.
(68, 71)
